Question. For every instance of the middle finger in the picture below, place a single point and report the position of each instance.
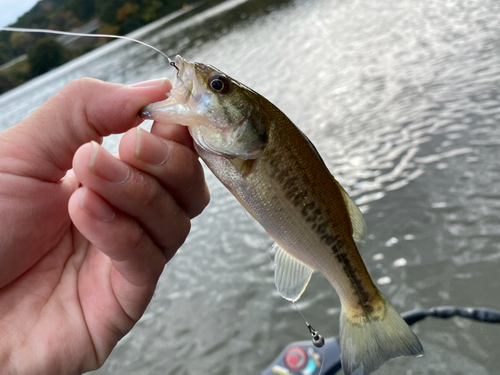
(174, 165)
(133, 192)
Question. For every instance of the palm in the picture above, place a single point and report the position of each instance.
(64, 283)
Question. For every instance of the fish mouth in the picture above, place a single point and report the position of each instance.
(185, 70)
(186, 87)
(179, 107)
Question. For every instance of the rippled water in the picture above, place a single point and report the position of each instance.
(402, 98)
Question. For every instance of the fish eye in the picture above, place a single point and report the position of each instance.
(218, 83)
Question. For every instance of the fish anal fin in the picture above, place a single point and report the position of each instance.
(357, 220)
(291, 275)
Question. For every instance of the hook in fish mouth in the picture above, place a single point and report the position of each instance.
(178, 64)
(185, 95)
(175, 66)
(185, 69)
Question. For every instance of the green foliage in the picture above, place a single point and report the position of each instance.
(131, 24)
(14, 76)
(107, 11)
(83, 10)
(20, 71)
(20, 42)
(64, 20)
(129, 15)
(46, 54)
(4, 36)
(7, 82)
(151, 9)
(4, 53)
(116, 16)
(33, 20)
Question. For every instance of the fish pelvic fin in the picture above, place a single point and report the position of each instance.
(370, 338)
(291, 276)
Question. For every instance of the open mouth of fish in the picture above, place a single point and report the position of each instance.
(181, 103)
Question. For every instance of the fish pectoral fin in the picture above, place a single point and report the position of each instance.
(291, 276)
(245, 166)
(357, 220)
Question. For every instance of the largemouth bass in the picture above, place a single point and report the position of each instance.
(275, 172)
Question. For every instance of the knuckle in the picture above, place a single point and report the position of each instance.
(176, 238)
(184, 164)
(132, 240)
(74, 99)
(191, 167)
(202, 201)
(137, 238)
(78, 85)
(186, 228)
(206, 196)
(152, 195)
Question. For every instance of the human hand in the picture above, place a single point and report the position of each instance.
(82, 248)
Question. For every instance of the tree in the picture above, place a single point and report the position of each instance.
(107, 10)
(84, 10)
(64, 20)
(4, 53)
(46, 54)
(7, 82)
(19, 42)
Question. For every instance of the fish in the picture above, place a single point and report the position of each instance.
(279, 177)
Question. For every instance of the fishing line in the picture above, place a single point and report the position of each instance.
(317, 339)
(71, 33)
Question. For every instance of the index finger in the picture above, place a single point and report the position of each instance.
(84, 110)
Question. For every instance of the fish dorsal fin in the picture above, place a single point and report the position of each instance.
(291, 275)
(357, 221)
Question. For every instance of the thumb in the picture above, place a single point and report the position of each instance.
(42, 146)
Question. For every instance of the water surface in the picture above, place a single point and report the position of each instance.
(402, 99)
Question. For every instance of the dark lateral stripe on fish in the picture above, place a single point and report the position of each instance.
(365, 297)
(314, 217)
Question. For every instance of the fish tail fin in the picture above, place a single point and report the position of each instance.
(372, 337)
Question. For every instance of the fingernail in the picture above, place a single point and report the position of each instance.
(151, 149)
(106, 166)
(95, 206)
(151, 83)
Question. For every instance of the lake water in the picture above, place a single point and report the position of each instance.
(402, 99)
